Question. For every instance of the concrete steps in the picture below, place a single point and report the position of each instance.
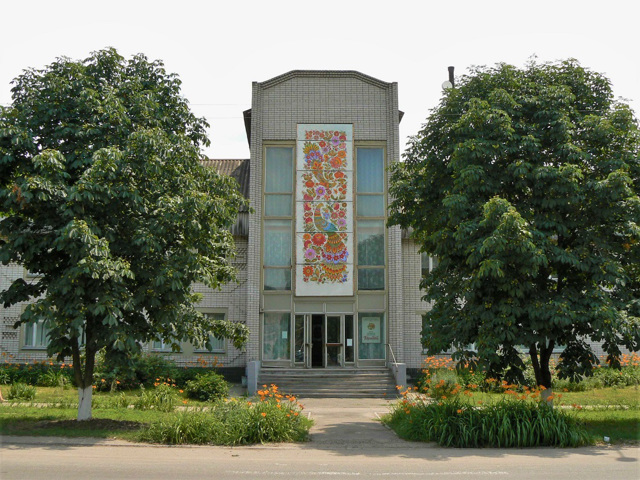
(331, 383)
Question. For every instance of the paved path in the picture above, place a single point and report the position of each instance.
(350, 423)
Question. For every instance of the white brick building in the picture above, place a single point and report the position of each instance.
(322, 282)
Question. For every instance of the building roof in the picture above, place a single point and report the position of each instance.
(236, 168)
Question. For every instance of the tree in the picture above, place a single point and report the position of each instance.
(105, 201)
(524, 183)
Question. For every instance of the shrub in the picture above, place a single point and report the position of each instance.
(207, 387)
(55, 378)
(506, 424)
(163, 398)
(44, 373)
(21, 391)
(443, 384)
(611, 377)
(274, 418)
(131, 372)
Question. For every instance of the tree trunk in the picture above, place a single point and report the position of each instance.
(542, 370)
(84, 379)
(84, 402)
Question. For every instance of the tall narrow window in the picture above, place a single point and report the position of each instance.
(371, 211)
(427, 263)
(278, 208)
(275, 342)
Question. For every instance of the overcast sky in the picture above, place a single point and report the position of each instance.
(219, 47)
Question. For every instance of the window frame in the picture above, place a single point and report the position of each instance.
(358, 217)
(214, 351)
(38, 325)
(290, 218)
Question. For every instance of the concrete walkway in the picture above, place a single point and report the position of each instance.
(350, 423)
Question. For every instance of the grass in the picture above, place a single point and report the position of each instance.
(124, 424)
(271, 418)
(626, 396)
(469, 418)
(621, 426)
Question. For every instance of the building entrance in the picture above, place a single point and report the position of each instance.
(324, 341)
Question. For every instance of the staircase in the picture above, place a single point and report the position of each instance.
(331, 383)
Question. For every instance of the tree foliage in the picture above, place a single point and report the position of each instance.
(106, 203)
(524, 183)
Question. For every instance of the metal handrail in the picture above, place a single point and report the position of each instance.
(391, 351)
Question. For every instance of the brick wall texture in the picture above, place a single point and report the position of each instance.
(278, 105)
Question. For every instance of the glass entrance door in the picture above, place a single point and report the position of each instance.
(333, 344)
(321, 341)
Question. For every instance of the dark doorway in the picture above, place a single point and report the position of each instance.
(317, 340)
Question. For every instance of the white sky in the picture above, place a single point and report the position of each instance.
(219, 47)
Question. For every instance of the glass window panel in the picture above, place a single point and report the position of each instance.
(370, 242)
(36, 334)
(28, 334)
(276, 344)
(427, 263)
(371, 205)
(371, 336)
(370, 170)
(160, 345)
(277, 243)
(371, 279)
(277, 279)
(333, 329)
(217, 344)
(299, 339)
(424, 264)
(349, 339)
(277, 205)
(41, 335)
(279, 169)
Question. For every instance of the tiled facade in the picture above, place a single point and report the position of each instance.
(279, 105)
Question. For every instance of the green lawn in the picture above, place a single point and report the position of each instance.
(272, 418)
(610, 412)
(621, 426)
(119, 423)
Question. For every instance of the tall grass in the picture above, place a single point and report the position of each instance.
(506, 424)
(273, 418)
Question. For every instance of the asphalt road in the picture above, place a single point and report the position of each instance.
(80, 462)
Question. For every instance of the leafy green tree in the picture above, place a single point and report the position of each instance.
(524, 183)
(105, 201)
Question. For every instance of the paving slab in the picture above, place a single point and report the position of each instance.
(350, 423)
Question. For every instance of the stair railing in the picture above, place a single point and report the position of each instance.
(393, 357)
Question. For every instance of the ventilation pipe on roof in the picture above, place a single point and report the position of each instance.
(451, 79)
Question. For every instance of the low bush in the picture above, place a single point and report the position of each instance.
(506, 424)
(207, 387)
(274, 418)
(55, 378)
(43, 373)
(162, 398)
(21, 391)
(131, 372)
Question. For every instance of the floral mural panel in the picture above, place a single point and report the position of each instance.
(318, 280)
(325, 217)
(324, 210)
(315, 248)
(325, 147)
(324, 186)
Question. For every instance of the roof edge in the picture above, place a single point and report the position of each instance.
(324, 73)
